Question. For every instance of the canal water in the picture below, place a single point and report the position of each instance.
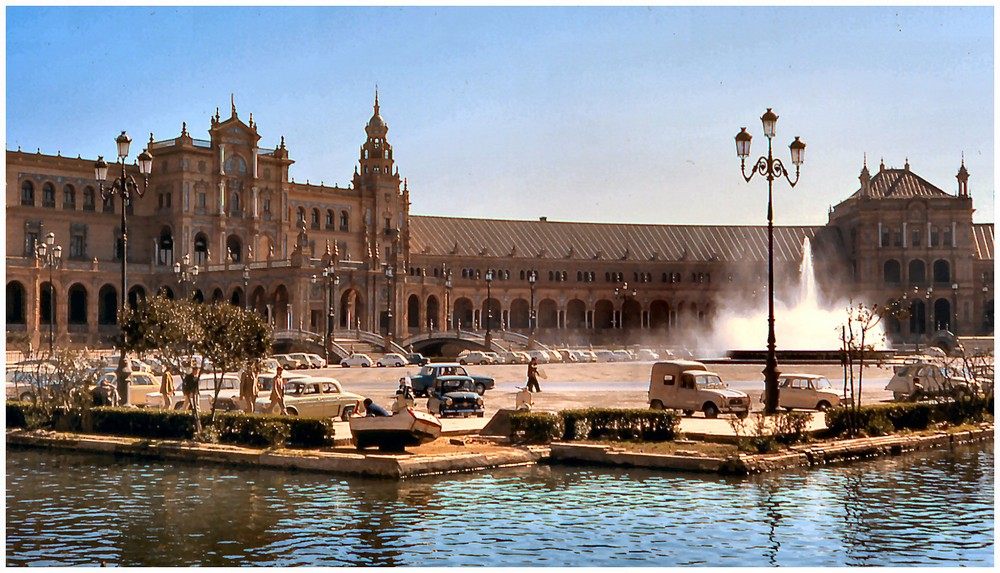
(931, 508)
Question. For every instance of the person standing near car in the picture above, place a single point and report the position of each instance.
(189, 386)
(249, 386)
(277, 405)
(533, 376)
(166, 387)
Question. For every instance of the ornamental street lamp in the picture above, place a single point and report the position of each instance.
(246, 287)
(930, 317)
(186, 274)
(771, 168)
(388, 301)
(622, 292)
(954, 313)
(332, 281)
(532, 317)
(489, 310)
(447, 297)
(50, 256)
(125, 187)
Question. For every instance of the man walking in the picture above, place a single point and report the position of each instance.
(533, 376)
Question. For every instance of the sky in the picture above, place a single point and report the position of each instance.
(573, 113)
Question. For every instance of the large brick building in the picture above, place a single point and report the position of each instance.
(230, 204)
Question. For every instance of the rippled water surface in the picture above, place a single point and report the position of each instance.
(935, 508)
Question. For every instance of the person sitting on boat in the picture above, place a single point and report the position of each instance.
(372, 409)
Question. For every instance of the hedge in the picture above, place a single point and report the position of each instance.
(230, 427)
(596, 424)
(881, 419)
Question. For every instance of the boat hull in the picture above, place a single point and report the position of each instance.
(396, 432)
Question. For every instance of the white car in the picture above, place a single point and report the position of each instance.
(229, 393)
(391, 359)
(585, 356)
(806, 391)
(645, 355)
(622, 356)
(289, 362)
(357, 359)
(476, 357)
(514, 357)
(540, 356)
(605, 356)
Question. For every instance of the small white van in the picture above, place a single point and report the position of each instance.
(688, 386)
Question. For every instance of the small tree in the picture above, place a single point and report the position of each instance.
(231, 338)
(859, 337)
(169, 327)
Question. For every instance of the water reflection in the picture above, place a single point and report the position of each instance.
(67, 509)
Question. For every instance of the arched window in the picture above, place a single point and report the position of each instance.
(942, 271)
(28, 193)
(234, 204)
(88, 199)
(345, 221)
(235, 165)
(48, 195)
(301, 212)
(918, 272)
(16, 303)
(315, 218)
(107, 306)
(77, 304)
(200, 249)
(891, 272)
(69, 197)
(329, 219)
(235, 247)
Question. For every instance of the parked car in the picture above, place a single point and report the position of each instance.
(357, 359)
(391, 359)
(622, 356)
(806, 391)
(140, 385)
(541, 357)
(424, 380)
(269, 365)
(134, 363)
(25, 379)
(417, 359)
(925, 380)
(309, 360)
(586, 356)
(494, 357)
(476, 357)
(316, 397)
(553, 355)
(646, 354)
(567, 355)
(229, 392)
(289, 362)
(688, 386)
(605, 356)
(513, 357)
(455, 396)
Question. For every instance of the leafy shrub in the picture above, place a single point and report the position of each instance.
(790, 427)
(535, 427)
(620, 424)
(880, 419)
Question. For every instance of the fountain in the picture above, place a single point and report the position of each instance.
(800, 324)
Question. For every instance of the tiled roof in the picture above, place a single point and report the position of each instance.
(604, 241)
(900, 184)
(982, 237)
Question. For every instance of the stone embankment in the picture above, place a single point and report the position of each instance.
(368, 464)
(804, 455)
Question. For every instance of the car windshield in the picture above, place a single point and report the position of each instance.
(822, 384)
(709, 381)
(454, 385)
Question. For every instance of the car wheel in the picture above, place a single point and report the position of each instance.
(347, 413)
(823, 406)
(711, 410)
(343, 365)
(399, 365)
(688, 413)
(462, 362)
(480, 388)
(743, 415)
(379, 365)
(363, 365)
(27, 397)
(292, 411)
(656, 405)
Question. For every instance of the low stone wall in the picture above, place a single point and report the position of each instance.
(744, 464)
(363, 464)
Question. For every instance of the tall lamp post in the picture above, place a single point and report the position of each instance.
(622, 292)
(50, 256)
(388, 301)
(246, 287)
(332, 281)
(187, 274)
(771, 168)
(124, 187)
(447, 297)
(489, 310)
(532, 317)
(953, 327)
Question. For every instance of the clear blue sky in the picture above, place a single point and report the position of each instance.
(586, 114)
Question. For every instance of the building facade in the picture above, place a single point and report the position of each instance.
(261, 239)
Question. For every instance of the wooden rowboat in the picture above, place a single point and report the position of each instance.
(394, 433)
